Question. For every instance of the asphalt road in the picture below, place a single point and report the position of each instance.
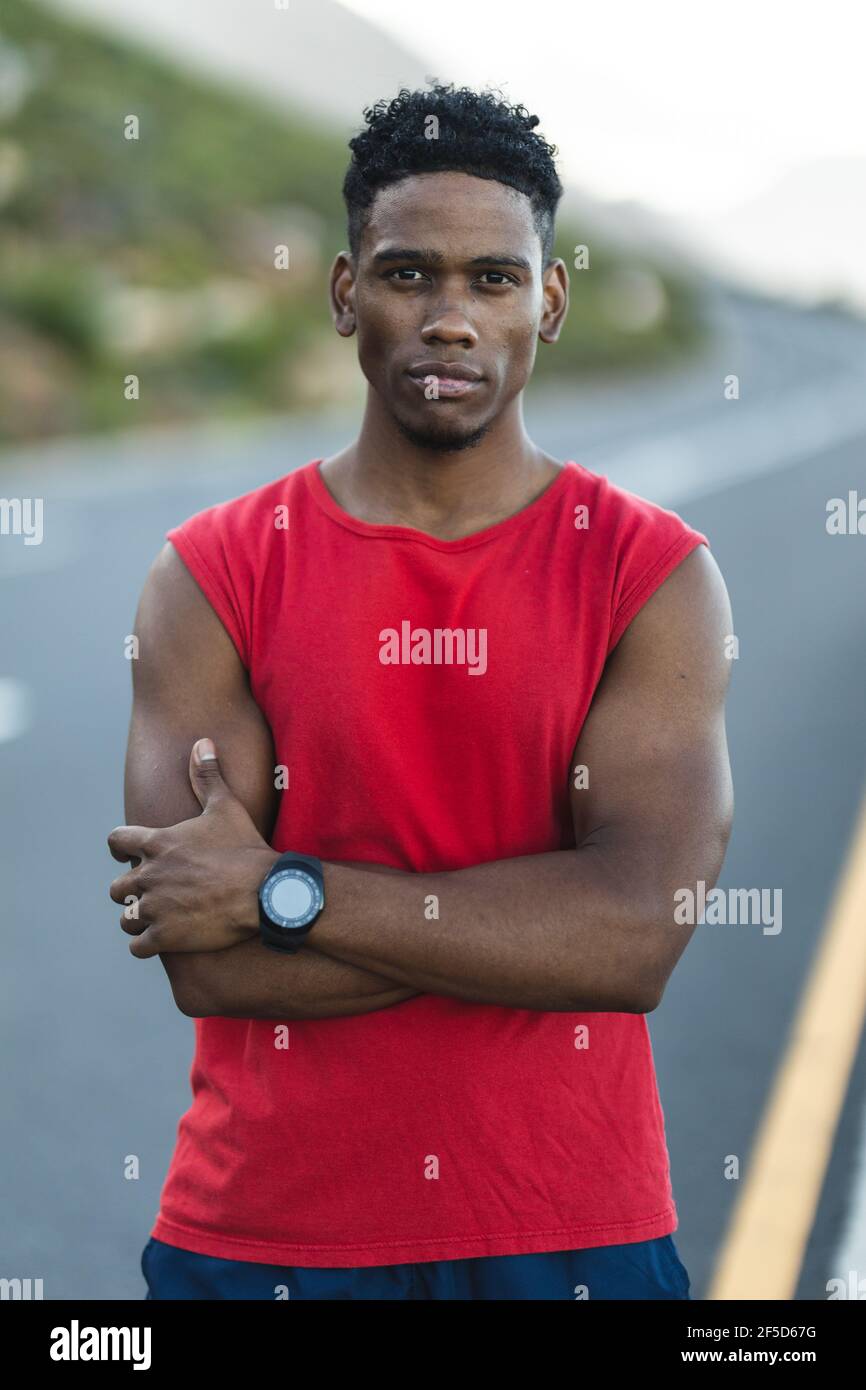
(96, 1055)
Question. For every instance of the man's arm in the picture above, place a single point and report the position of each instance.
(189, 681)
(590, 928)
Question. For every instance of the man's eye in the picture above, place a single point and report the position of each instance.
(406, 275)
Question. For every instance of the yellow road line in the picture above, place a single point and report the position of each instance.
(764, 1246)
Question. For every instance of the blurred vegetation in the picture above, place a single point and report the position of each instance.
(155, 256)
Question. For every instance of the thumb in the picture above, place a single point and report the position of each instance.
(204, 773)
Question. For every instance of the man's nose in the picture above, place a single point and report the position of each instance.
(449, 325)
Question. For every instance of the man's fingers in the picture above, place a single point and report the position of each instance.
(124, 887)
(134, 926)
(129, 892)
(144, 945)
(129, 841)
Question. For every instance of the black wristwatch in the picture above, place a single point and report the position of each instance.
(291, 897)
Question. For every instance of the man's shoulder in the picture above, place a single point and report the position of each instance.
(625, 535)
(225, 546)
(269, 505)
(632, 545)
(619, 506)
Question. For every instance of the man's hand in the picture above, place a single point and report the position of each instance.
(196, 882)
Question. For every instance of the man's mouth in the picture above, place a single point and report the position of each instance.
(450, 379)
(439, 386)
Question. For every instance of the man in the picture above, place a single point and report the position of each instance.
(425, 737)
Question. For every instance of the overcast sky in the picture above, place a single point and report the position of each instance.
(690, 106)
(744, 123)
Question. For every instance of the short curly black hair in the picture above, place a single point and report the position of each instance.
(475, 133)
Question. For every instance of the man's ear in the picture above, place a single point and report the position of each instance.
(342, 294)
(555, 307)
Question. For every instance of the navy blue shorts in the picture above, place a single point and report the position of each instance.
(649, 1269)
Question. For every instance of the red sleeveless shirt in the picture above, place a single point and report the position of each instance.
(434, 1129)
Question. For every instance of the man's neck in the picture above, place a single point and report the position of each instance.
(384, 479)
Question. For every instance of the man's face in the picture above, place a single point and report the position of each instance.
(449, 276)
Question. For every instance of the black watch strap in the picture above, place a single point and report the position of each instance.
(288, 940)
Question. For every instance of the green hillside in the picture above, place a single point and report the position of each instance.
(155, 256)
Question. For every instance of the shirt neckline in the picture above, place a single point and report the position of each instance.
(378, 530)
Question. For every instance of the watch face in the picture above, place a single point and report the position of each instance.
(292, 898)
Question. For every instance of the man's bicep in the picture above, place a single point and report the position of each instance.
(189, 683)
(659, 799)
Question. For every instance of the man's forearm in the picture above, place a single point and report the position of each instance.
(557, 931)
(251, 981)
(583, 930)
(560, 931)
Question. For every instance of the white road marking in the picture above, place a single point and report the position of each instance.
(850, 1253)
(15, 708)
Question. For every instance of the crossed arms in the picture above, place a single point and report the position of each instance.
(584, 929)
